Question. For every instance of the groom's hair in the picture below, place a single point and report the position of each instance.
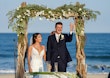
(58, 23)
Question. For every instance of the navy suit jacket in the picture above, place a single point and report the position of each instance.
(55, 49)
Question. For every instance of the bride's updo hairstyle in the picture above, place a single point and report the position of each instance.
(34, 37)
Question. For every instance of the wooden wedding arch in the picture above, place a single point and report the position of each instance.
(18, 21)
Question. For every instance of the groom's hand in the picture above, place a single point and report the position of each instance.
(71, 27)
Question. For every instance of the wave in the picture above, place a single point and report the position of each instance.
(7, 71)
(93, 66)
(7, 55)
(99, 66)
(71, 68)
(98, 57)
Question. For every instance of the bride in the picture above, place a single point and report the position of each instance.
(36, 54)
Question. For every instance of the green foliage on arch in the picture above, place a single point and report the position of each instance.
(21, 14)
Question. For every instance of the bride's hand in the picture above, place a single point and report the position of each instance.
(50, 67)
(30, 70)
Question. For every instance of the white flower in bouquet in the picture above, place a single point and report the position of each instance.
(62, 10)
(28, 14)
(69, 12)
(18, 7)
(82, 33)
(79, 9)
(18, 16)
(50, 12)
(60, 17)
(84, 13)
(42, 12)
(17, 24)
(64, 13)
(21, 19)
(34, 12)
(52, 15)
(28, 11)
(23, 16)
(69, 9)
(25, 13)
(37, 14)
(83, 29)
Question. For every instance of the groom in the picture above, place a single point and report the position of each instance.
(56, 48)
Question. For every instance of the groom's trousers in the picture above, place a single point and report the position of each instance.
(61, 65)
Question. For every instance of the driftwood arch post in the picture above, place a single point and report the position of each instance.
(18, 20)
(22, 47)
(81, 67)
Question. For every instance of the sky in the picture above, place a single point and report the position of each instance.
(101, 25)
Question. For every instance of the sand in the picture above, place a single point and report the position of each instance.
(7, 76)
(99, 75)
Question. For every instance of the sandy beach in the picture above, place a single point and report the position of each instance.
(7, 76)
(99, 75)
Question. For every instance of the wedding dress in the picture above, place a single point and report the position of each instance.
(37, 64)
(37, 60)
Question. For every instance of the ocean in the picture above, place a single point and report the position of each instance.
(97, 50)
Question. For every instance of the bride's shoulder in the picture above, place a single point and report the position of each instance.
(31, 46)
(43, 46)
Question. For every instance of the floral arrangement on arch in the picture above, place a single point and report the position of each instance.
(25, 12)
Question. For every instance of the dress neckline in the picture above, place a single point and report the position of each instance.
(39, 52)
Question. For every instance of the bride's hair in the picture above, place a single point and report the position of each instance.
(34, 37)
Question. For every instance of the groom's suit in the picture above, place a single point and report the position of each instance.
(57, 51)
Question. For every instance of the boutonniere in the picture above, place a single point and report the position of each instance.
(62, 37)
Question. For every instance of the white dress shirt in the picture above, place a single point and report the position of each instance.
(57, 36)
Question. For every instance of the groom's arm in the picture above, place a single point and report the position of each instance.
(48, 53)
(69, 37)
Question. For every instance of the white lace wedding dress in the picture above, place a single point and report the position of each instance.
(37, 60)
